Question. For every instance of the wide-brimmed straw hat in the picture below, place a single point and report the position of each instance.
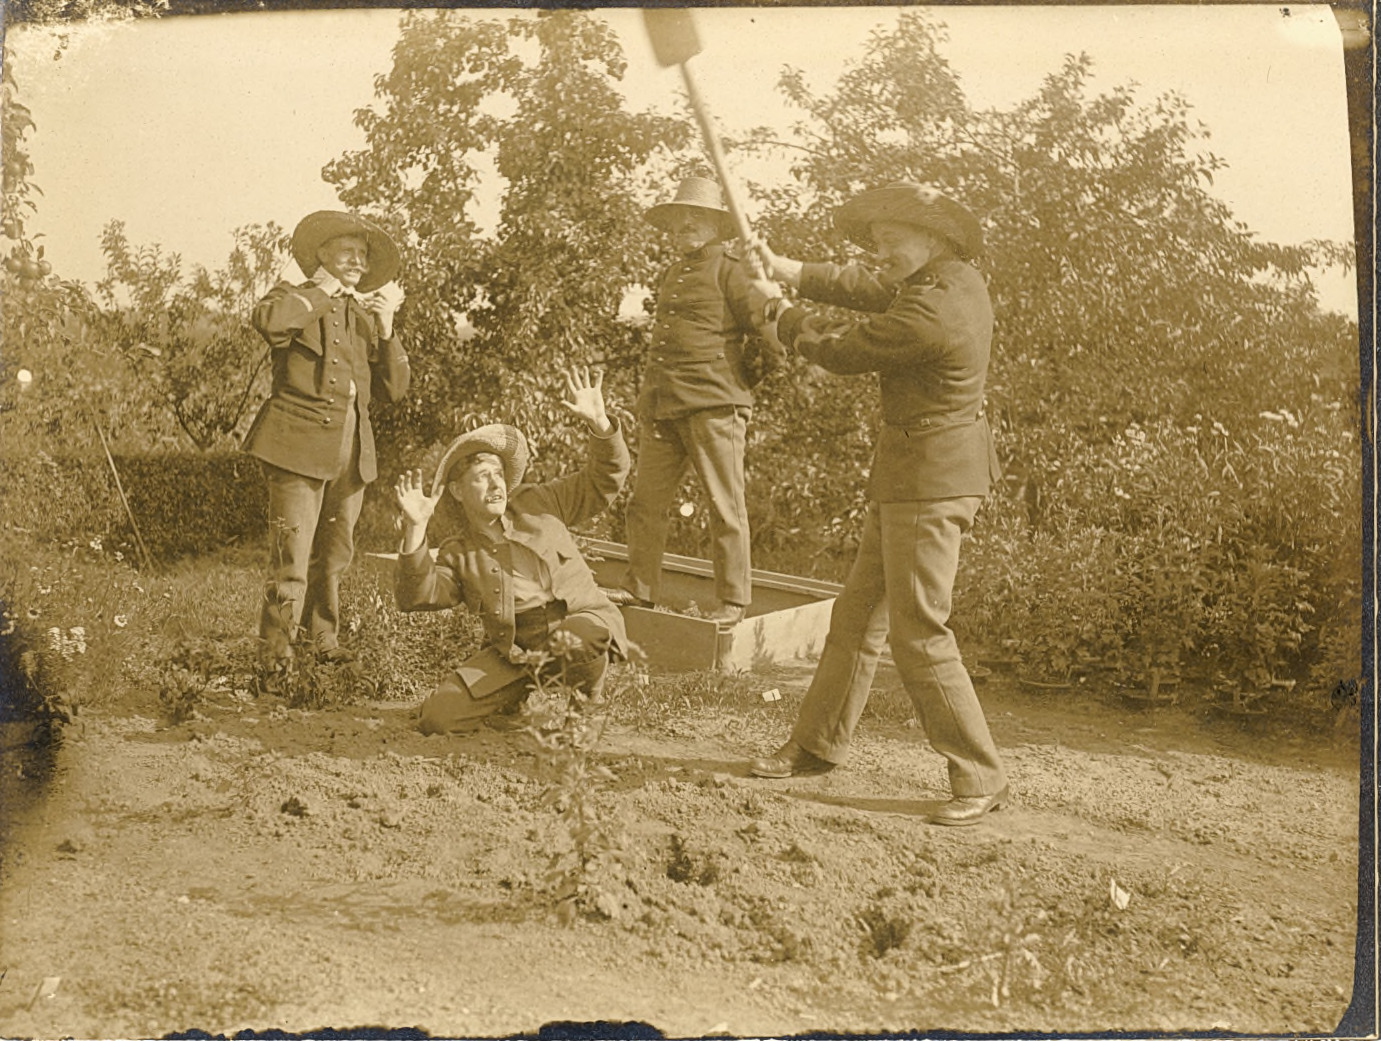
(906, 202)
(701, 193)
(500, 439)
(317, 229)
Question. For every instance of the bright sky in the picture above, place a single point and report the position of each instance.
(186, 128)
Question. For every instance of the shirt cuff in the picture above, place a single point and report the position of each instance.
(789, 324)
(413, 559)
(815, 277)
(613, 429)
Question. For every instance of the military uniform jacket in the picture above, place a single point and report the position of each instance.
(475, 570)
(928, 339)
(321, 345)
(699, 330)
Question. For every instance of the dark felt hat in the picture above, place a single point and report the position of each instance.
(500, 439)
(906, 202)
(317, 229)
(701, 193)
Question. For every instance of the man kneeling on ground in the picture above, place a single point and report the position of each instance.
(515, 563)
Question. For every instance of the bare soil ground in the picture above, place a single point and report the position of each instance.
(262, 867)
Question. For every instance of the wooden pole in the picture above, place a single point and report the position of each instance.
(119, 487)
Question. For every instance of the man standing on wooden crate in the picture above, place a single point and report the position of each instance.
(926, 330)
(334, 351)
(696, 399)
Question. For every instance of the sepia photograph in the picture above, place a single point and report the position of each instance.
(691, 521)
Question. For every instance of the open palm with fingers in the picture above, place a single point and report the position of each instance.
(585, 391)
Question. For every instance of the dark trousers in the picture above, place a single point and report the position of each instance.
(487, 683)
(312, 540)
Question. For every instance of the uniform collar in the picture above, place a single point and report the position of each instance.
(488, 534)
(705, 252)
(925, 277)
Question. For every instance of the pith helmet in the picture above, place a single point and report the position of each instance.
(701, 193)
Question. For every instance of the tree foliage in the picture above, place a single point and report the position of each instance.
(1165, 386)
(45, 320)
(1123, 287)
(533, 103)
(1159, 371)
(188, 335)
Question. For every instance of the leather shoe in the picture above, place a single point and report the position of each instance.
(726, 616)
(507, 722)
(791, 760)
(969, 809)
(624, 598)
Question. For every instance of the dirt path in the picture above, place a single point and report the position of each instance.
(267, 868)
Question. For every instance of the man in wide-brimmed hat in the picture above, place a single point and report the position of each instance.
(334, 350)
(926, 329)
(696, 398)
(514, 562)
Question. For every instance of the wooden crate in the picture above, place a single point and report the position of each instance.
(786, 622)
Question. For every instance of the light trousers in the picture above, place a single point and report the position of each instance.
(712, 442)
(898, 590)
(455, 707)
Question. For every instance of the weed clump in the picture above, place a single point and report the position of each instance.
(686, 866)
(586, 874)
(886, 924)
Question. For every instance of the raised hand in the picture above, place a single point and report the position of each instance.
(586, 394)
(415, 505)
(760, 291)
(778, 268)
(382, 304)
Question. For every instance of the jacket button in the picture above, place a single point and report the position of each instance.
(335, 341)
(335, 361)
(332, 401)
(326, 422)
(333, 379)
(496, 589)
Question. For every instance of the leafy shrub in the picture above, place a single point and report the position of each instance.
(35, 665)
(1179, 547)
(186, 335)
(404, 654)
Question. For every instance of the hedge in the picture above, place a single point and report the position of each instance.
(183, 504)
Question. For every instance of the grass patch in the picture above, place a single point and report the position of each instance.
(664, 697)
(97, 631)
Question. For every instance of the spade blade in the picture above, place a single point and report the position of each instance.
(672, 32)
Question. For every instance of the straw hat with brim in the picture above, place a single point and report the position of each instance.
(317, 229)
(908, 203)
(498, 439)
(701, 193)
